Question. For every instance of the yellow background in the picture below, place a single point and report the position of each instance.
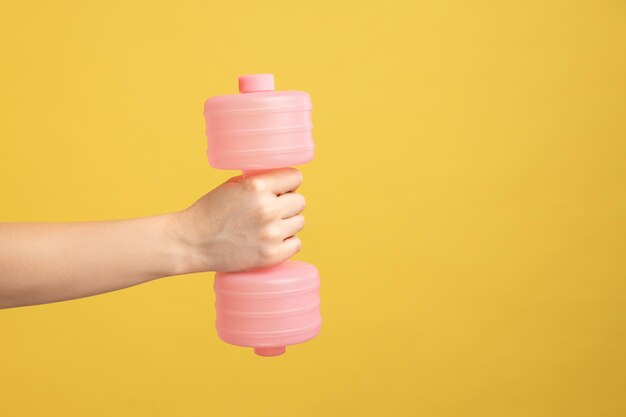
(465, 207)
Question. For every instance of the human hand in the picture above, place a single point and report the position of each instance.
(245, 223)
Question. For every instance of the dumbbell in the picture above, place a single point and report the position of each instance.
(256, 130)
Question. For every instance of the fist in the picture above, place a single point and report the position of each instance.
(245, 223)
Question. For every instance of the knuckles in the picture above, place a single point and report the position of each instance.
(299, 176)
(271, 234)
(302, 202)
(254, 184)
(270, 254)
(297, 243)
(266, 212)
(300, 218)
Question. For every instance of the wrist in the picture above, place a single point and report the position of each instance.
(185, 256)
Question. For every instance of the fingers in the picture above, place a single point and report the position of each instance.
(291, 246)
(278, 181)
(292, 225)
(276, 252)
(291, 204)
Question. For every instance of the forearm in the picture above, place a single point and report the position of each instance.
(245, 223)
(46, 262)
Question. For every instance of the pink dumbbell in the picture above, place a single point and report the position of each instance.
(260, 129)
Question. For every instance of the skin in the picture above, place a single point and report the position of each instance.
(245, 223)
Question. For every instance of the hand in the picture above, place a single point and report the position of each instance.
(243, 224)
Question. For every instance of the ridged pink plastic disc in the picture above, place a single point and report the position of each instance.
(259, 129)
(268, 308)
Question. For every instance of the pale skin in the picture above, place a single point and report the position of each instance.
(243, 224)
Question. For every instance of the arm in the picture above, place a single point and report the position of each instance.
(242, 224)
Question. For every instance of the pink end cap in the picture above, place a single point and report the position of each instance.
(256, 82)
(270, 351)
